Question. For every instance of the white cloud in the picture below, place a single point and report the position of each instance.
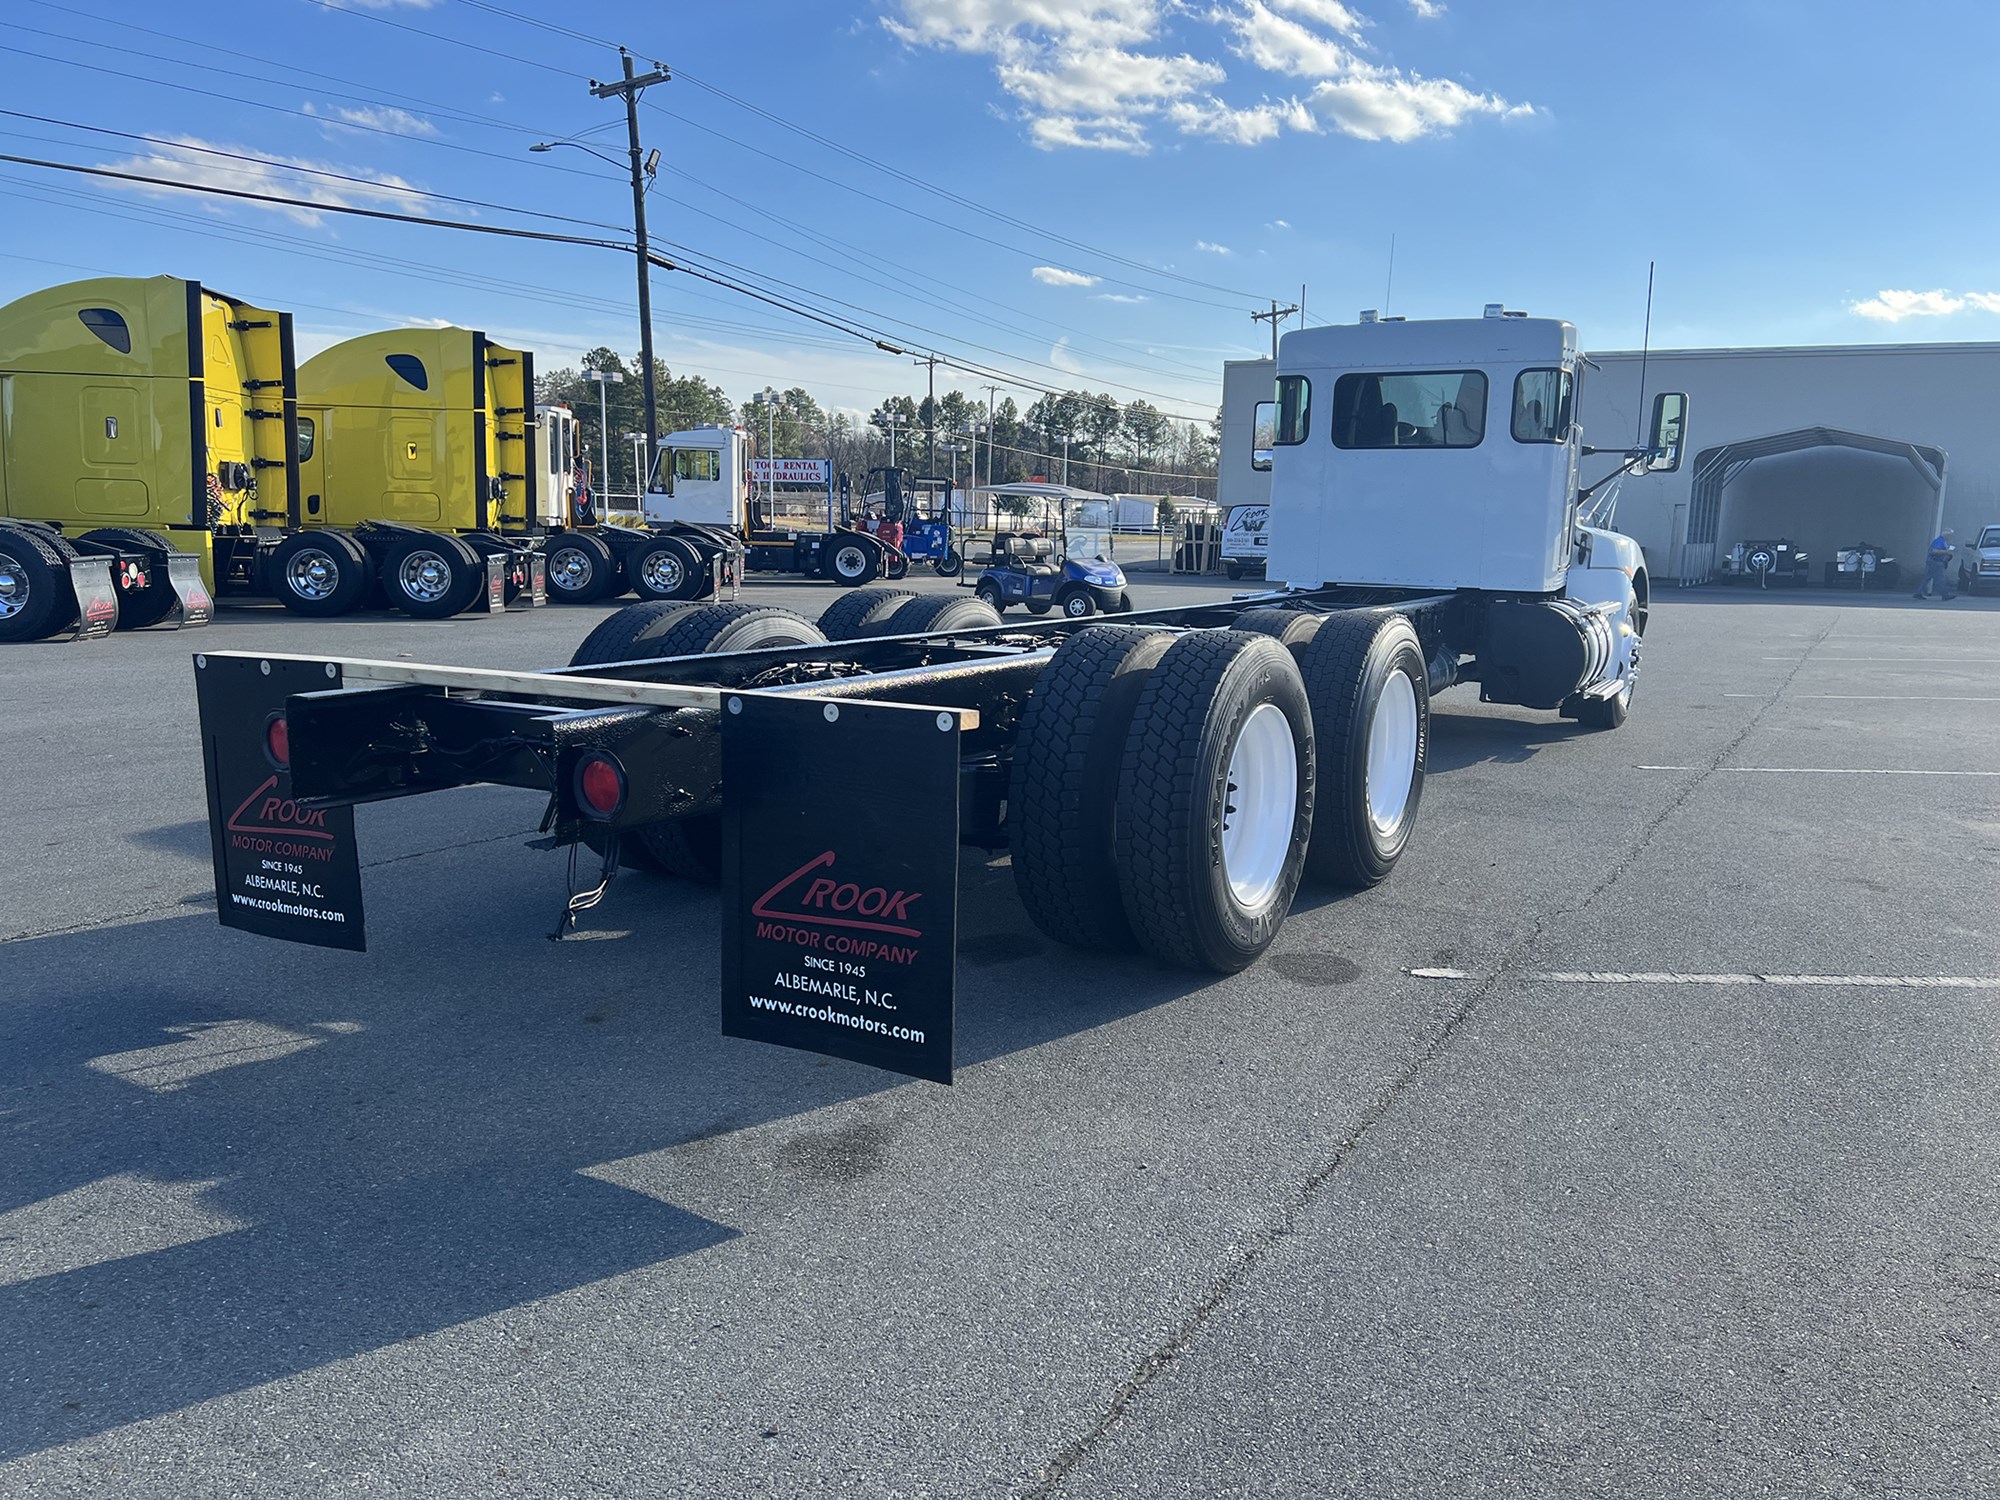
(1426, 10)
(380, 117)
(1121, 297)
(183, 162)
(1383, 104)
(1057, 276)
(1329, 13)
(1278, 224)
(1213, 249)
(1100, 74)
(1242, 127)
(1062, 359)
(1893, 307)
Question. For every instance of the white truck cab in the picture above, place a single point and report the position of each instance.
(1445, 455)
(700, 476)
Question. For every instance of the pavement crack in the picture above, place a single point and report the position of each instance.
(1156, 1363)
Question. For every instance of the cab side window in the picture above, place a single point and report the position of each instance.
(697, 464)
(308, 434)
(1542, 406)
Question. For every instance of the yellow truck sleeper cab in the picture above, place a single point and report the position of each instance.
(146, 422)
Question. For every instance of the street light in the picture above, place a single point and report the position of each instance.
(637, 440)
(954, 449)
(604, 378)
(768, 399)
(888, 421)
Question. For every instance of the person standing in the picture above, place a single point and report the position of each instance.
(1937, 565)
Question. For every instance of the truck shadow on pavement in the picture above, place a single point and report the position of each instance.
(1459, 740)
(230, 1160)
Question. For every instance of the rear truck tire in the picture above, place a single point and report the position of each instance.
(36, 599)
(433, 576)
(895, 565)
(849, 616)
(1214, 810)
(157, 600)
(318, 574)
(988, 590)
(1370, 691)
(664, 568)
(1064, 786)
(935, 614)
(690, 848)
(1290, 628)
(581, 567)
(1076, 604)
(850, 564)
(951, 564)
(1232, 571)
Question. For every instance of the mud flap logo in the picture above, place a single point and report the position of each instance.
(830, 902)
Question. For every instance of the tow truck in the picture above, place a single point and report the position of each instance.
(1164, 783)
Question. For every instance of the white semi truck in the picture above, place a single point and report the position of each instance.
(702, 526)
(1163, 783)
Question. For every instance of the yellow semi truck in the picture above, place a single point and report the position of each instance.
(145, 451)
(420, 448)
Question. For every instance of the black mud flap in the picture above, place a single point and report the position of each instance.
(534, 591)
(96, 597)
(840, 920)
(493, 598)
(184, 573)
(281, 870)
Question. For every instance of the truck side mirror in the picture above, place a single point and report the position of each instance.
(1669, 427)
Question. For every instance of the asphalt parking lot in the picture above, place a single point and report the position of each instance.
(1636, 1139)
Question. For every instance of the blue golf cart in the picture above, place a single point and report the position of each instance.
(1042, 567)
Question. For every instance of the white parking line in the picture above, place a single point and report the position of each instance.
(1873, 697)
(1824, 981)
(1817, 770)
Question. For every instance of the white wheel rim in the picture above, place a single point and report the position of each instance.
(1392, 753)
(1260, 806)
(850, 562)
(426, 576)
(1077, 607)
(312, 574)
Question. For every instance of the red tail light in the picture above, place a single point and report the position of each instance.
(600, 785)
(278, 741)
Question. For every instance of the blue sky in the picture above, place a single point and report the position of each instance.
(1802, 172)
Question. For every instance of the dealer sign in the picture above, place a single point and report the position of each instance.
(840, 905)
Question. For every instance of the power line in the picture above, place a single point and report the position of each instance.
(372, 183)
(862, 158)
(811, 314)
(439, 36)
(931, 219)
(317, 119)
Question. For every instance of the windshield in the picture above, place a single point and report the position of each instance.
(1990, 537)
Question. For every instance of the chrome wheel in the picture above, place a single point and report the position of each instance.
(313, 573)
(425, 576)
(1392, 753)
(570, 570)
(663, 571)
(1260, 807)
(13, 587)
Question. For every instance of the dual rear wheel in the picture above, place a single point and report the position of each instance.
(1171, 792)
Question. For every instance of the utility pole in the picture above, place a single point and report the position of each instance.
(1274, 317)
(629, 89)
(930, 422)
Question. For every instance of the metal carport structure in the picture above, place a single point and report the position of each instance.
(1715, 468)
